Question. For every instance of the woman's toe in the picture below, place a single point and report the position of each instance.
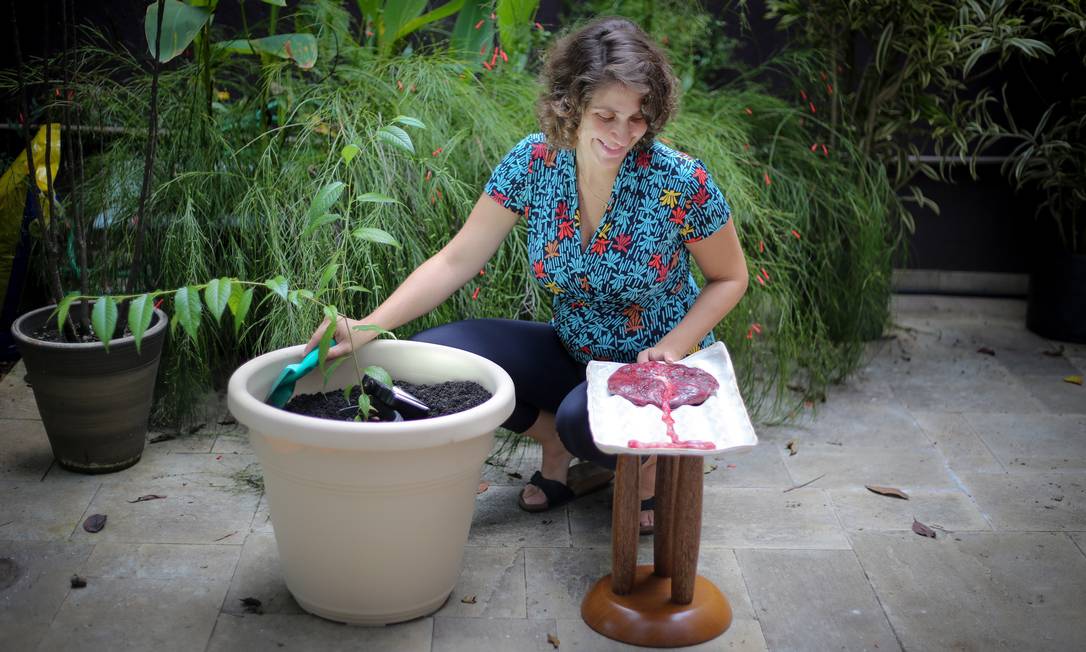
(533, 495)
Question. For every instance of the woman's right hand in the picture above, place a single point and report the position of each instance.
(347, 339)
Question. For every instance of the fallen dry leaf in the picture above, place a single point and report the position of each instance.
(514, 475)
(483, 486)
(143, 499)
(553, 640)
(158, 439)
(252, 605)
(469, 599)
(887, 491)
(1074, 380)
(922, 529)
(94, 523)
(78, 582)
(225, 536)
(708, 468)
(985, 350)
(792, 446)
(1053, 353)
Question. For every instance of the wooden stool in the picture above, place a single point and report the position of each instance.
(666, 604)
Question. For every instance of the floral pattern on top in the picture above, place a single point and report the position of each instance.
(631, 284)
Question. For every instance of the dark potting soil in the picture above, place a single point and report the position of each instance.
(51, 334)
(442, 398)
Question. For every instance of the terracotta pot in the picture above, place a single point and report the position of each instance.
(94, 405)
(371, 519)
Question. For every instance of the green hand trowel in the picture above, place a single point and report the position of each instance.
(283, 387)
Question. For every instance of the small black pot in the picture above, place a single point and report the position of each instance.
(94, 405)
(1057, 297)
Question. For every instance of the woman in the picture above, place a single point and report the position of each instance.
(613, 216)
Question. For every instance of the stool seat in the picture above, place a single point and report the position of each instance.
(666, 604)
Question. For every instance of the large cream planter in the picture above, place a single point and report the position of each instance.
(371, 519)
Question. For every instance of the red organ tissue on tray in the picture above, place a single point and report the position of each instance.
(668, 386)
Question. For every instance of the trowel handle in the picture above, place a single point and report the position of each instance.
(309, 362)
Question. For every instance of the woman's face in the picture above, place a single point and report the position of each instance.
(611, 125)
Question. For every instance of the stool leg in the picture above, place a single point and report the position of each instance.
(687, 528)
(624, 525)
(663, 555)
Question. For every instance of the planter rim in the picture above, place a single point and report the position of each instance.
(25, 338)
(262, 418)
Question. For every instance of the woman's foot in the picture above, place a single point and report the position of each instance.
(556, 459)
(555, 467)
(646, 490)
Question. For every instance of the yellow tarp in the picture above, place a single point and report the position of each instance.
(13, 196)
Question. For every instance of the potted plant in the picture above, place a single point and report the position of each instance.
(93, 384)
(1051, 159)
(371, 519)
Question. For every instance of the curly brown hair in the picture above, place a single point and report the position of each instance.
(604, 51)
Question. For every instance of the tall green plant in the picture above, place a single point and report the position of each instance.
(899, 74)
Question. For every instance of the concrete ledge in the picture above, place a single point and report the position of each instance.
(936, 281)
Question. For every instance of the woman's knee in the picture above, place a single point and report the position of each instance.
(571, 422)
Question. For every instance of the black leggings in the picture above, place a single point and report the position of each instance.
(544, 375)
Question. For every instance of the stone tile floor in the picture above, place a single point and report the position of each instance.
(991, 449)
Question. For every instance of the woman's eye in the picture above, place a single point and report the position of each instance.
(605, 118)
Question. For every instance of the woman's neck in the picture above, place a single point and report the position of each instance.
(593, 174)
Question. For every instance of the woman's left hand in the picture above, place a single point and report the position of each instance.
(658, 354)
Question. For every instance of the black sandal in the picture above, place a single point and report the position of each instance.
(557, 494)
(584, 478)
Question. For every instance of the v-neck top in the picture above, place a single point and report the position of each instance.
(632, 284)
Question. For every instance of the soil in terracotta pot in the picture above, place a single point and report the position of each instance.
(442, 398)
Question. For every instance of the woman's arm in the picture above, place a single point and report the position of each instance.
(721, 260)
(432, 282)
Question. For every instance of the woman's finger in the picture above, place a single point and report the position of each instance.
(316, 338)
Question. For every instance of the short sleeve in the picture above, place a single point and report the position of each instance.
(508, 184)
(708, 211)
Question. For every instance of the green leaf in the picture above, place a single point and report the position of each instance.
(317, 223)
(299, 48)
(356, 288)
(295, 296)
(444, 11)
(379, 374)
(465, 40)
(278, 285)
(140, 311)
(349, 152)
(187, 307)
(217, 296)
(180, 25)
(397, 137)
(104, 319)
(364, 407)
(332, 315)
(63, 307)
(347, 392)
(325, 198)
(515, 19)
(327, 275)
(373, 327)
(375, 198)
(240, 307)
(408, 121)
(396, 14)
(277, 3)
(331, 369)
(375, 235)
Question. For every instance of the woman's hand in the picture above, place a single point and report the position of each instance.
(347, 339)
(658, 354)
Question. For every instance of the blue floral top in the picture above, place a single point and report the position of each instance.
(632, 284)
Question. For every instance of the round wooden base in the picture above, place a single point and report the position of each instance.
(646, 616)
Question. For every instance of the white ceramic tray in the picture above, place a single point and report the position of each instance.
(722, 419)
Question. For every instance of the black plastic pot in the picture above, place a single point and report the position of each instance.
(1057, 297)
(94, 405)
